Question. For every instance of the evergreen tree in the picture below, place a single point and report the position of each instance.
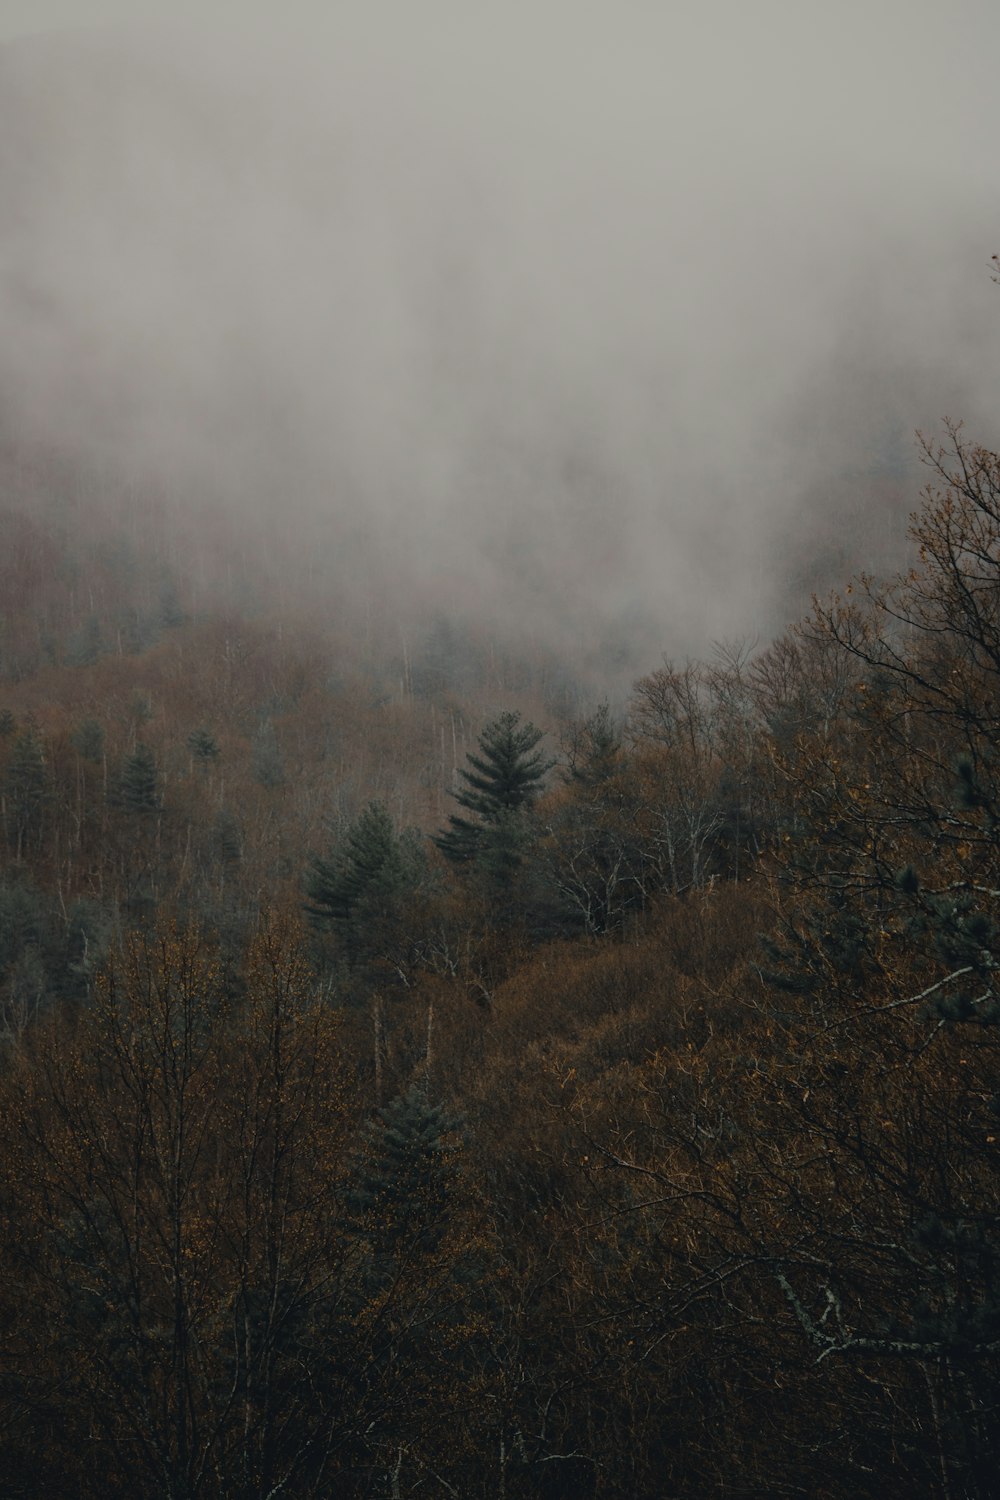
(87, 644)
(140, 709)
(138, 785)
(171, 612)
(136, 632)
(595, 749)
(88, 740)
(448, 661)
(267, 763)
(405, 1174)
(501, 783)
(228, 837)
(8, 723)
(22, 920)
(362, 889)
(420, 1276)
(203, 745)
(82, 946)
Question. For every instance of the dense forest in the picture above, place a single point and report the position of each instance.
(418, 1080)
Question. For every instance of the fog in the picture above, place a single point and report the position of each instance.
(603, 323)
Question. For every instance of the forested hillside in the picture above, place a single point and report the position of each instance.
(463, 1034)
(422, 1078)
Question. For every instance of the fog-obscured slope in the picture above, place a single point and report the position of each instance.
(601, 323)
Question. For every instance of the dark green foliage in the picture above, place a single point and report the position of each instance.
(788, 966)
(24, 995)
(595, 749)
(830, 948)
(171, 613)
(971, 793)
(405, 1174)
(964, 935)
(502, 781)
(88, 740)
(268, 766)
(362, 890)
(82, 947)
(597, 870)
(22, 917)
(136, 632)
(45, 954)
(140, 709)
(501, 854)
(335, 886)
(203, 745)
(448, 662)
(138, 785)
(419, 1257)
(228, 838)
(8, 723)
(508, 773)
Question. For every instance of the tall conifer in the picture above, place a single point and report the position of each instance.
(502, 781)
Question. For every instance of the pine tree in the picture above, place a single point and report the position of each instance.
(171, 613)
(138, 786)
(502, 782)
(88, 740)
(594, 750)
(22, 920)
(335, 886)
(405, 1174)
(448, 661)
(228, 837)
(360, 890)
(87, 644)
(140, 710)
(203, 745)
(267, 763)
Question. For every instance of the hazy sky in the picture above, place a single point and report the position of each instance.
(571, 307)
(25, 17)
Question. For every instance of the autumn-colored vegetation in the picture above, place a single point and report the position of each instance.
(638, 1137)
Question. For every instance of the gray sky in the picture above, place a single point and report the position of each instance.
(27, 17)
(593, 305)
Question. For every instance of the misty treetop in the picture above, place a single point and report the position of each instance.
(517, 355)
